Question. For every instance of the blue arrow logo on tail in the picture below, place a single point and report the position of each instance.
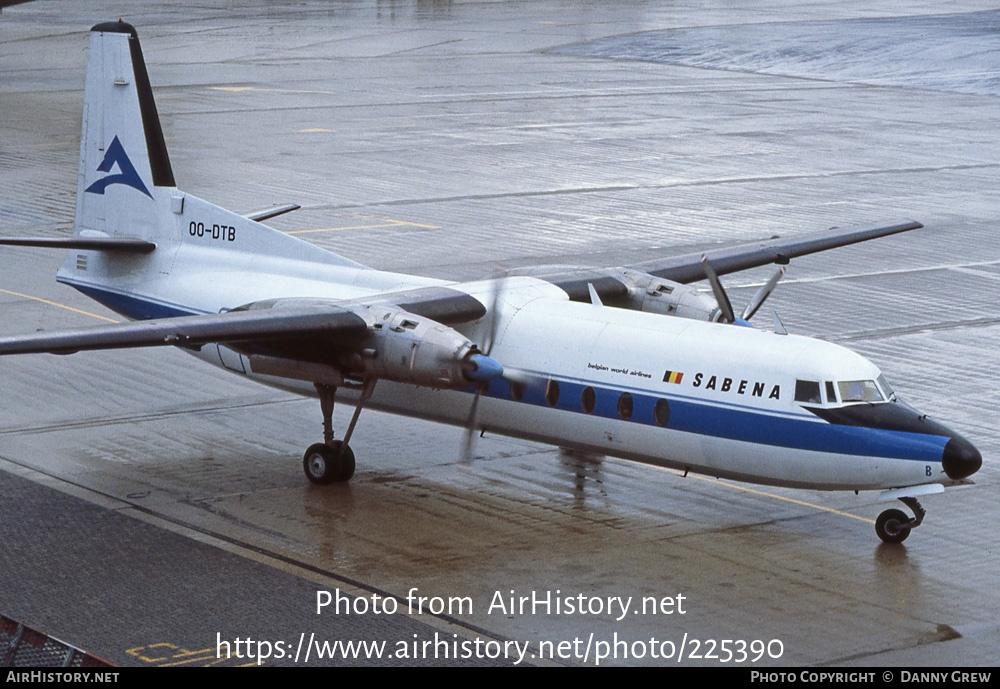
(115, 155)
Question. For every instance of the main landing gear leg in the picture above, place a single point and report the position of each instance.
(893, 526)
(332, 461)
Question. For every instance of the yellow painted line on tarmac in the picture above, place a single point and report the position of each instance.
(794, 501)
(191, 657)
(241, 89)
(343, 229)
(61, 306)
(413, 224)
(155, 654)
(205, 655)
(764, 493)
(387, 222)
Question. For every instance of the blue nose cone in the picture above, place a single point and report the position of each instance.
(960, 458)
(485, 368)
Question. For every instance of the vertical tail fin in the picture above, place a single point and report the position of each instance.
(122, 151)
(126, 186)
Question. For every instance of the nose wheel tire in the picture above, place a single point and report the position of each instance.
(893, 526)
(333, 463)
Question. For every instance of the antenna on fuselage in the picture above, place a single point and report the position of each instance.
(779, 327)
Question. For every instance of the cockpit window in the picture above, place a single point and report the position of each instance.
(886, 388)
(807, 391)
(859, 391)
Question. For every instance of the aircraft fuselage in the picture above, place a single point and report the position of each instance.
(695, 396)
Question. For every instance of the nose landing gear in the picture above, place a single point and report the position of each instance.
(893, 526)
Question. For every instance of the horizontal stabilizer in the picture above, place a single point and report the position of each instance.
(268, 213)
(118, 244)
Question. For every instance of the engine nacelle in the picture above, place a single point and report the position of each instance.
(395, 345)
(657, 295)
(642, 291)
(412, 349)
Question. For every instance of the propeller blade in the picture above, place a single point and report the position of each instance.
(485, 367)
(493, 315)
(762, 294)
(470, 426)
(721, 298)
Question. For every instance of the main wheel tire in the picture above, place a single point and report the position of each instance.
(326, 464)
(893, 526)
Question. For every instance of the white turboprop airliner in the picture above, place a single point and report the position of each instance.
(626, 361)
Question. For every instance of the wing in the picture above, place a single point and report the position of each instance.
(613, 285)
(194, 331)
(284, 326)
(688, 268)
(396, 336)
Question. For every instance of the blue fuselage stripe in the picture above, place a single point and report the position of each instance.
(743, 424)
(130, 306)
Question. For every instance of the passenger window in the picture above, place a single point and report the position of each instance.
(661, 412)
(625, 406)
(552, 393)
(807, 391)
(588, 400)
(516, 391)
